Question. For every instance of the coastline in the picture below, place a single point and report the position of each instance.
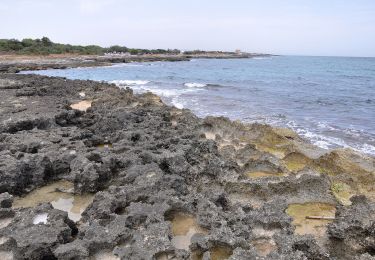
(14, 64)
(144, 162)
(239, 81)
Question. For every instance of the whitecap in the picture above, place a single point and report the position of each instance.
(130, 82)
(166, 92)
(366, 148)
(330, 142)
(324, 125)
(322, 144)
(177, 104)
(322, 141)
(195, 85)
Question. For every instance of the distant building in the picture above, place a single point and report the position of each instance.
(238, 51)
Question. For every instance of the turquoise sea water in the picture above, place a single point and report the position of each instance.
(328, 100)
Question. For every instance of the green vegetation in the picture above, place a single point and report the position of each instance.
(45, 46)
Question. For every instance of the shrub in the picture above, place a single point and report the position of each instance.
(45, 46)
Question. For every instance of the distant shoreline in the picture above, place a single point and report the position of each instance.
(17, 63)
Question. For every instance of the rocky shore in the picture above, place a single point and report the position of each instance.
(14, 64)
(91, 171)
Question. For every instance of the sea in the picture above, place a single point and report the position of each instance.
(329, 101)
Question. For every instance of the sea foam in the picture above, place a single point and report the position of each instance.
(195, 85)
(130, 82)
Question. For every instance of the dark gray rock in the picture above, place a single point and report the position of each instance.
(6, 200)
(37, 241)
(353, 231)
(144, 162)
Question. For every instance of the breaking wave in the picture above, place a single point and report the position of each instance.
(195, 85)
(129, 82)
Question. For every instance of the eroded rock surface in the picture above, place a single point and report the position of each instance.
(145, 163)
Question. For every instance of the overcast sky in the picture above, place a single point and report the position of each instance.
(314, 27)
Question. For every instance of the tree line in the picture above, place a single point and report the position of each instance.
(45, 46)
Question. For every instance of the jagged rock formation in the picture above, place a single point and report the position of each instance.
(166, 184)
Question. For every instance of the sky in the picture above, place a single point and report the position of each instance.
(286, 27)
